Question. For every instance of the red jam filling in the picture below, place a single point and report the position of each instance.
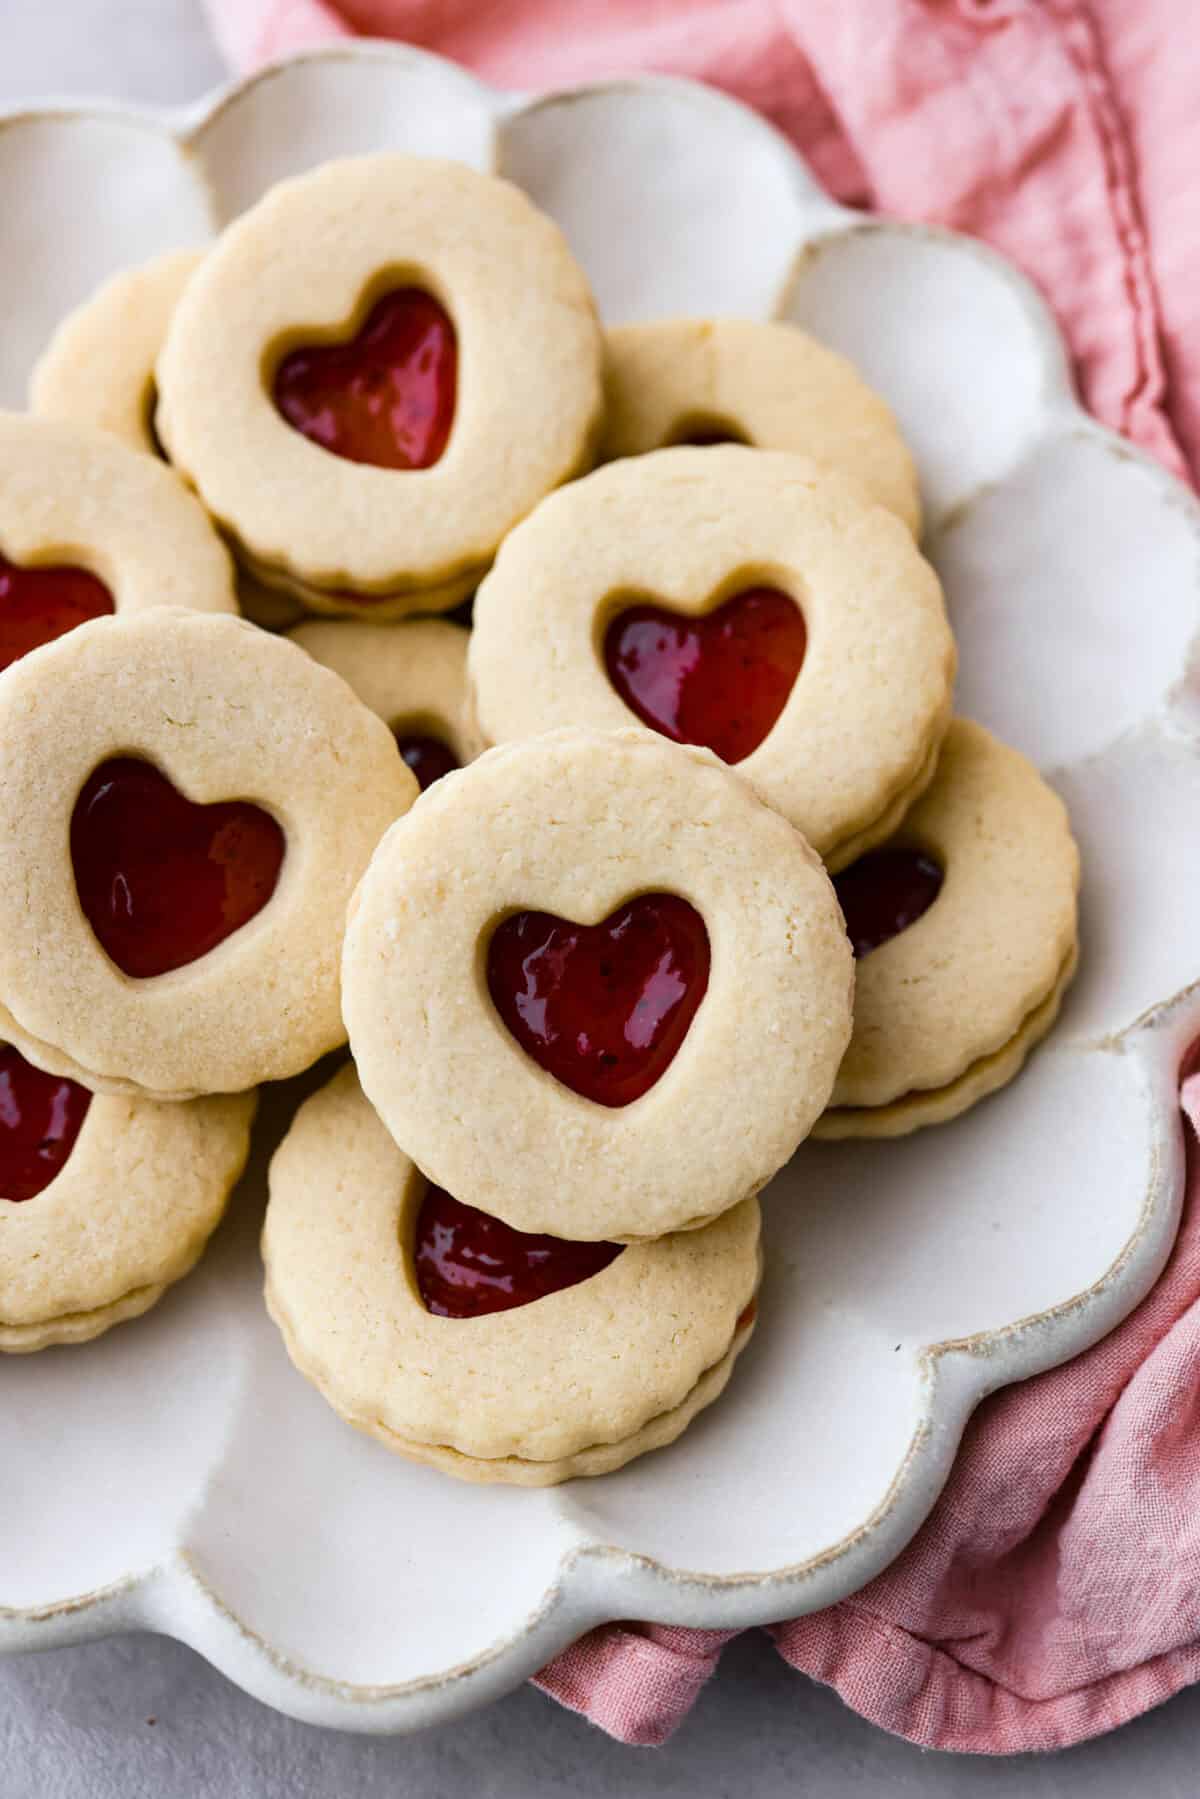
(721, 679)
(428, 757)
(883, 893)
(40, 1118)
(160, 879)
(468, 1263)
(605, 1007)
(387, 396)
(40, 604)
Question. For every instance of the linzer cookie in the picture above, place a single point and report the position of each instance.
(965, 930)
(98, 368)
(413, 675)
(490, 1354)
(375, 373)
(88, 528)
(675, 381)
(595, 987)
(744, 600)
(104, 1202)
(186, 804)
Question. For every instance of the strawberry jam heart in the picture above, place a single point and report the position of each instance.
(428, 757)
(883, 893)
(468, 1263)
(40, 1118)
(720, 680)
(605, 1007)
(39, 604)
(160, 879)
(386, 397)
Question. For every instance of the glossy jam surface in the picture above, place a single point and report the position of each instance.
(468, 1263)
(721, 679)
(161, 880)
(883, 893)
(40, 1118)
(387, 396)
(429, 757)
(603, 1008)
(40, 604)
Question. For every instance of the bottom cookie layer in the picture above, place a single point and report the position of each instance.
(940, 1104)
(870, 836)
(81, 1327)
(371, 608)
(600, 1458)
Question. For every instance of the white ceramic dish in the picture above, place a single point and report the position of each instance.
(178, 1475)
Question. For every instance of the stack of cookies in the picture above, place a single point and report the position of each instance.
(672, 858)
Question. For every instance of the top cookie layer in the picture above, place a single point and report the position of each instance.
(577, 824)
(685, 529)
(769, 385)
(226, 713)
(305, 266)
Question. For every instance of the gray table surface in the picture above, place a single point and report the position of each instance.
(143, 1718)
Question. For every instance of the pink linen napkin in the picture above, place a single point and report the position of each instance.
(1055, 1590)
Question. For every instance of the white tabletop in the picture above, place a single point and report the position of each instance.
(142, 1718)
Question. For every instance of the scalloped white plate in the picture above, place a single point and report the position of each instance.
(178, 1475)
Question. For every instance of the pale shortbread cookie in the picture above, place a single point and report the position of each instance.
(127, 1215)
(768, 385)
(575, 824)
(577, 1382)
(98, 368)
(938, 1105)
(946, 1011)
(857, 739)
(70, 494)
(305, 266)
(226, 712)
(413, 675)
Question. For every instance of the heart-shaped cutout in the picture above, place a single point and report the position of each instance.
(720, 679)
(429, 757)
(468, 1263)
(883, 893)
(40, 1117)
(387, 396)
(39, 604)
(604, 1007)
(160, 879)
